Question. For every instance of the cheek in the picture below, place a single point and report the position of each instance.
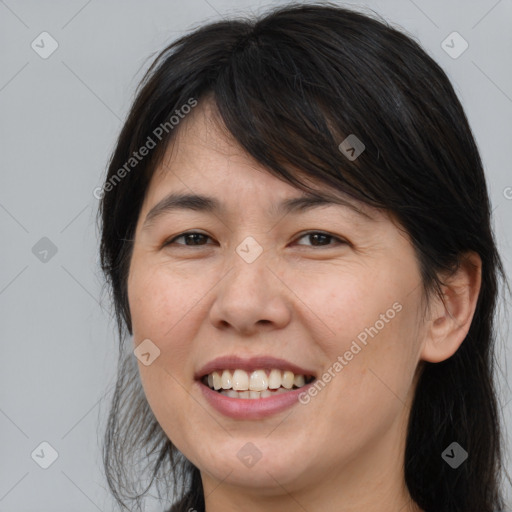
(169, 308)
(372, 381)
(372, 336)
(164, 309)
(346, 301)
(162, 302)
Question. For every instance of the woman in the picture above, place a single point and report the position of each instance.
(296, 231)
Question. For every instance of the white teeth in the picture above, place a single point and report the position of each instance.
(227, 379)
(258, 380)
(274, 379)
(251, 395)
(299, 381)
(240, 380)
(217, 381)
(287, 381)
(256, 384)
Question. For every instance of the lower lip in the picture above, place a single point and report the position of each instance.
(251, 408)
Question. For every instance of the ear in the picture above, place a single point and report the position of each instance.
(450, 318)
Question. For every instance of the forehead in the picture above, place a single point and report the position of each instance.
(202, 132)
(205, 169)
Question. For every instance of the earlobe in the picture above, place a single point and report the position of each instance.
(450, 319)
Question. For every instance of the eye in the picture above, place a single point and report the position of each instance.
(193, 236)
(318, 239)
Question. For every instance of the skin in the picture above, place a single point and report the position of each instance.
(342, 451)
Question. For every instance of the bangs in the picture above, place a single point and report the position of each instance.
(284, 122)
(291, 105)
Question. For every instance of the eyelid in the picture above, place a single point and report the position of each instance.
(185, 233)
(338, 239)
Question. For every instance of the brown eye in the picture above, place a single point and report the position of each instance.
(191, 238)
(320, 239)
(317, 239)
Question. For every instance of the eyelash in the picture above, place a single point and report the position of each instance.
(309, 233)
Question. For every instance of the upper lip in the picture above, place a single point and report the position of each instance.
(250, 364)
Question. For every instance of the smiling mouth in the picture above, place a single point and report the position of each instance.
(262, 383)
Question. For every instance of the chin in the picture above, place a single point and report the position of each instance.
(262, 465)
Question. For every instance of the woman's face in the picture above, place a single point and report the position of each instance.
(254, 288)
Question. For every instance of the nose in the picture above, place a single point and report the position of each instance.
(251, 298)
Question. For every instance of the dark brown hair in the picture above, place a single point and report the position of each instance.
(290, 87)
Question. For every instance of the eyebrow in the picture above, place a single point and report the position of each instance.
(207, 204)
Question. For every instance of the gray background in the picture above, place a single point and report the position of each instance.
(59, 120)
